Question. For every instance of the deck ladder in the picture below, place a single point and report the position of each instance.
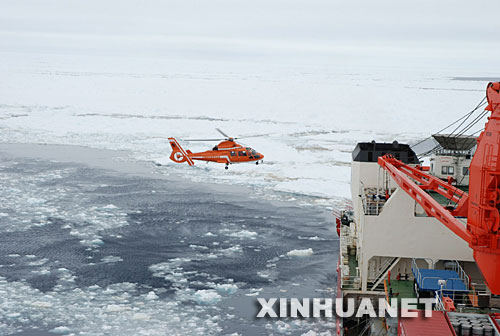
(461, 273)
(386, 266)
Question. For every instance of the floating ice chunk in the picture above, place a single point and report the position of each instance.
(226, 288)
(254, 292)
(60, 330)
(244, 234)
(38, 262)
(41, 304)
(263, 274)
(310, 333)
(14, 255)
(93, 242)
(207, 296)
(141, 317)
(151, 296)
(232, 249)
(42, 271)
(300, 253)
(210, 234)
(201, 247)
(111, 259)
(113, 308)
(33, 200)
(310, 238)
(110, 206)
(3, 214)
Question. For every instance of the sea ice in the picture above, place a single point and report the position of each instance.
(61, 330)
(111, 259)
(151, 296)
(300, 253)
(226, 288)
(207, 296)
(243, 234)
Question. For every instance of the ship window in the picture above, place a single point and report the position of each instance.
(233, 153)
(444, 170)
(451, 170)
(465, 171)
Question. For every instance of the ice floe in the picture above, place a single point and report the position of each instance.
(300, 253)
(207, 296)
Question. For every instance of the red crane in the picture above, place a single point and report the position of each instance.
(481, 205)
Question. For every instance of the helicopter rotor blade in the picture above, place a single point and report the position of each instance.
(203, 139)
(253, 136)
(224, 134)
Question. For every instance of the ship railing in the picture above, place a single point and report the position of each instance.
(439, 302)
(479, 288)
(463, 277)
(460, 297)
(350, 282)
(415, 270)
(463, 298)
(371, 200)
(461, 273)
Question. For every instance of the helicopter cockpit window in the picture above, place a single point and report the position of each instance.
(242, 153)
(233, 153)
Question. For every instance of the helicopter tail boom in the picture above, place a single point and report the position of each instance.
(179, 155)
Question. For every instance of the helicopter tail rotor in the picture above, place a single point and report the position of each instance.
(179, 155)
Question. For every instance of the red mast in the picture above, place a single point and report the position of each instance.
(481, 205)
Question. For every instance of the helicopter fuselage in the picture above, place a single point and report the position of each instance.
(228, 152)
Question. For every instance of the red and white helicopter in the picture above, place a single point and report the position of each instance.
(227, 152)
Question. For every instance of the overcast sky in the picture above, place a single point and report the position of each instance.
(281, 19)
(449, 28)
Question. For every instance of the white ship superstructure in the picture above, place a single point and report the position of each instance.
(450, 159)
(390, 247)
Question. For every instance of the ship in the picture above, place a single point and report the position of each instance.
(425, 231)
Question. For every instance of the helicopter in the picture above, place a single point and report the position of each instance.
(228, 151)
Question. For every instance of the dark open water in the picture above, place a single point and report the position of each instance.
(92, 251)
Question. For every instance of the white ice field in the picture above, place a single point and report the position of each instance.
(316, 76)
(123, 75)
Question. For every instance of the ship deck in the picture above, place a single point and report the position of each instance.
(401, 289)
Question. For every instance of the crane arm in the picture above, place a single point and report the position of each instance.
(403, 175)
(481, 205)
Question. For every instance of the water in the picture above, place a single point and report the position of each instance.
(121, 250)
